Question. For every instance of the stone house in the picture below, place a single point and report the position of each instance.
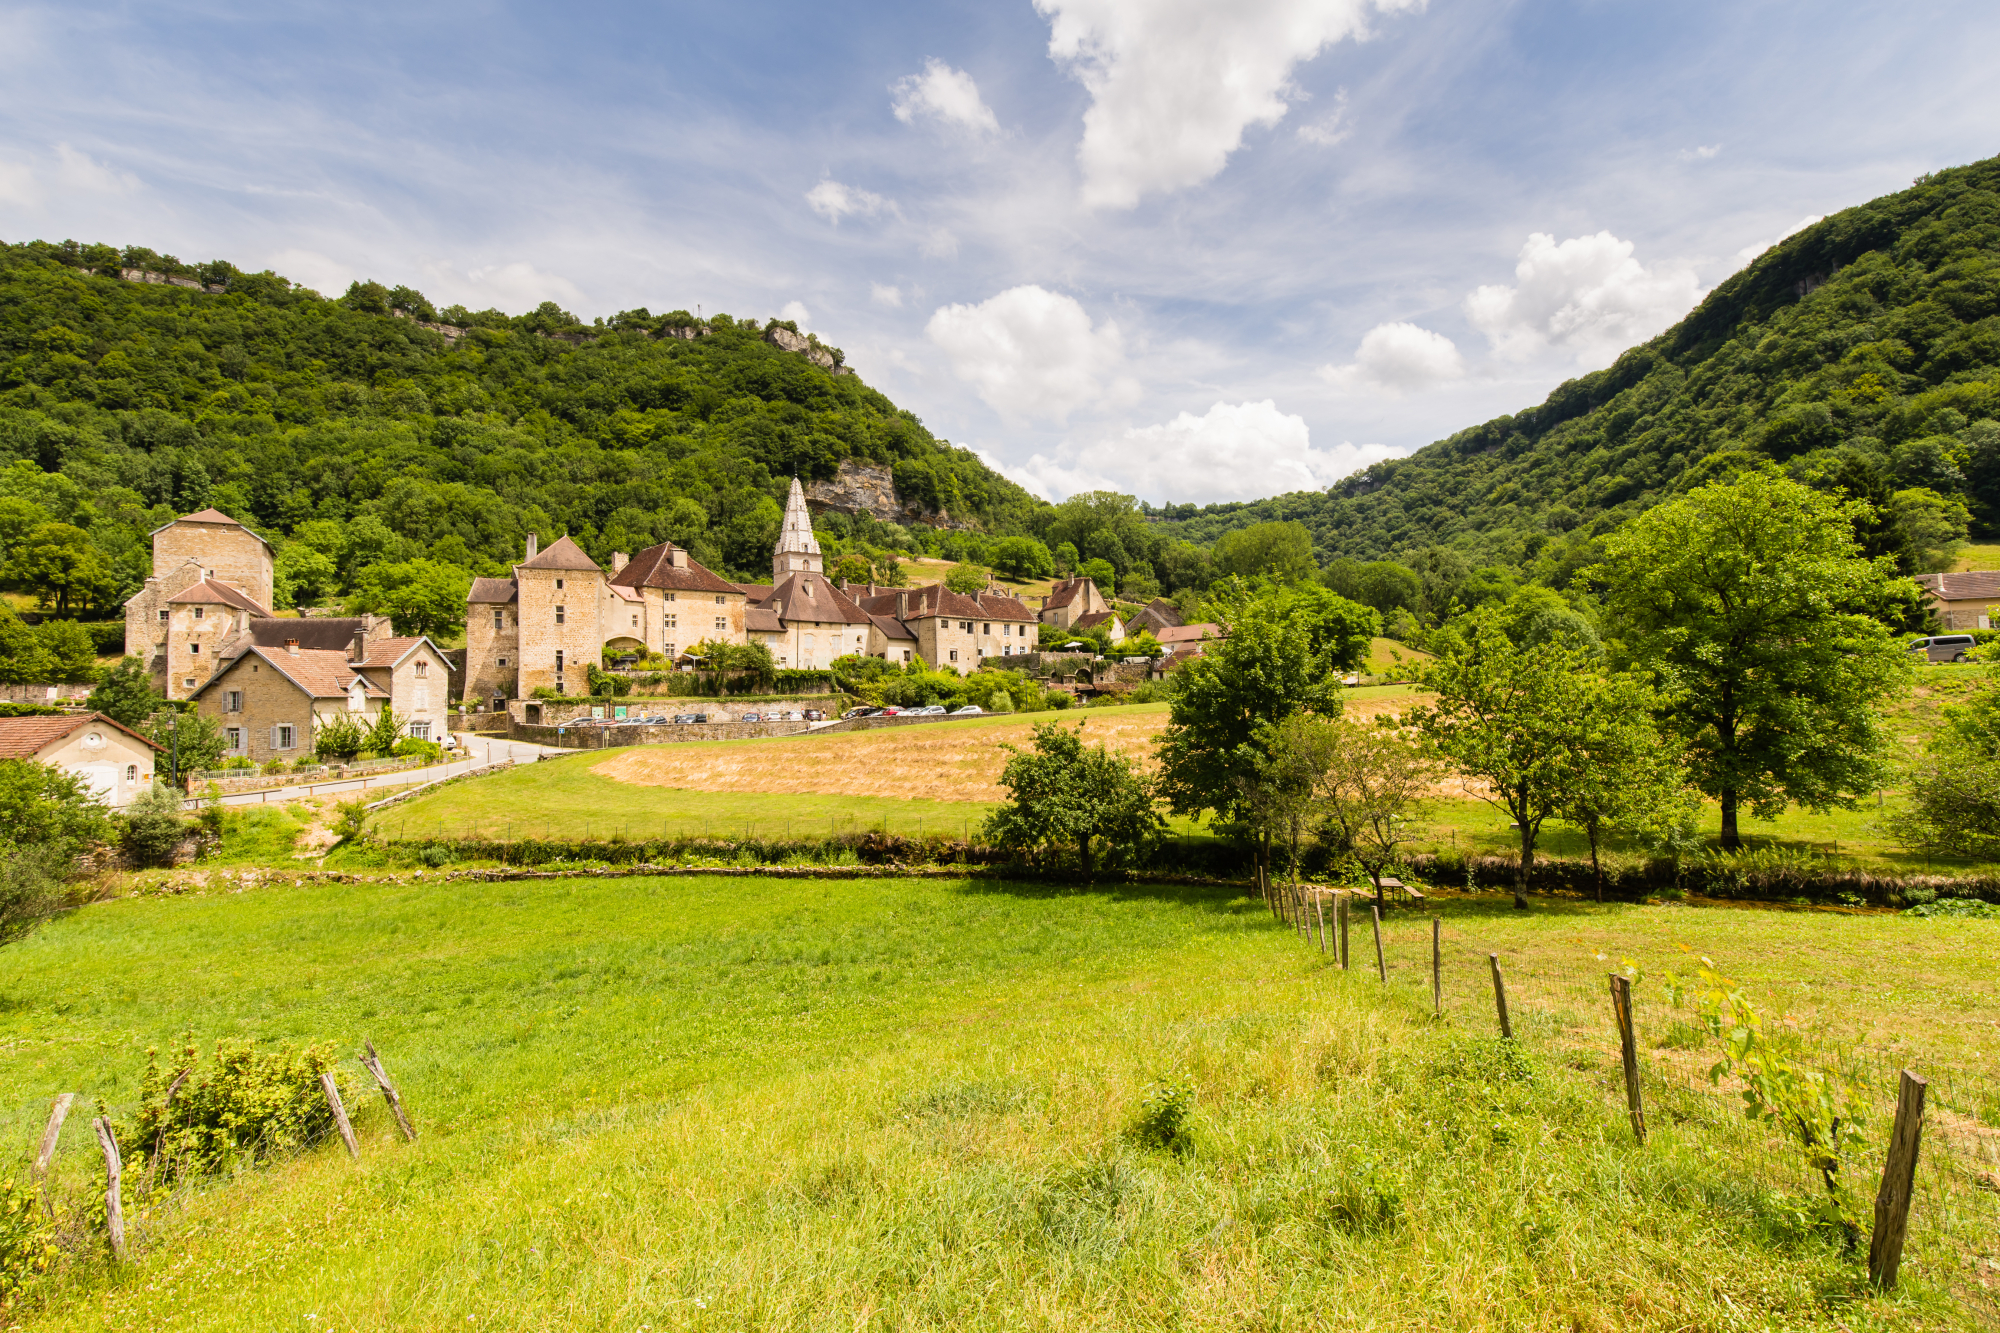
(1157, 615)
(950, 630)
(270, 702)
(115, 760)
(1070, 600)
(1962, 601)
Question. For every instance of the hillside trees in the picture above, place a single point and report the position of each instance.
(1751, 602)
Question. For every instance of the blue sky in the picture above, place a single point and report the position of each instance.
(1192, 251)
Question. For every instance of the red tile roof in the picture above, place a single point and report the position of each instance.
(932, 599)
(762, 620)
(496, 591)
(320, 672)
(210, 593)
(1971, 585)
(1000, 606)
(892, 628)
(1066, 592)
(385, 653)
(562, 554)
(25, 737)
(654, 567)
(1188, 633)
(1094, 618)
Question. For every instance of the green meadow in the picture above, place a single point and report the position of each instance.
(715, 1103)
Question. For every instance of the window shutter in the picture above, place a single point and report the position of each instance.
(274, 738)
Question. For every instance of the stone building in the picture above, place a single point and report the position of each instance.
(211, 577)
(1070, 601)
(116, 761)
(1966, 600)
(271, 701)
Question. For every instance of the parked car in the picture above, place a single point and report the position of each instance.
(863, 711)
(815, 715)
(1944, 647)
(967, 711)
(751, 717)
(930, 710)
(889, 712)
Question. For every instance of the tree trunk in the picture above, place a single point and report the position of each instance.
(1527, 864)
(1083, 854)
(1596, 870)
(1731, 840)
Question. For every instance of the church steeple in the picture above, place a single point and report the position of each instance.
(798, 549)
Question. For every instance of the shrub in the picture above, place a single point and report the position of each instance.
(27, 1246)
(154, 826)
(350, 821)
(34, 882)
(342, 738)
(410, 747)
(1162, 1122)
(247, 1107)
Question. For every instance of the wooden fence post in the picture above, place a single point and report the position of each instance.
(1341, 914)
(332, 1091)
(1628, 1042)
(1437, 968)
(1319, 914)
(58, 1112)
(1899, 1174)
(1500, 996)
(114, 1200)
(1381, 970)
(373, 1064)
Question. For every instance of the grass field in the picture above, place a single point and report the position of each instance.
(726, 1104)
(1979, 556)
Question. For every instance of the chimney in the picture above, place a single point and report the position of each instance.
(357, 647)
(680, 558)
(292, 647)
(902, 606)
(619, 560)
(533, 545)
(842, 585)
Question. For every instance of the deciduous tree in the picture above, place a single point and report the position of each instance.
(1065, 794)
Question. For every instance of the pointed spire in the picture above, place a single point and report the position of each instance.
(798, 549)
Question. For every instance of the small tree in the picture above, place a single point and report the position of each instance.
(339, 737)
(967, 579)
(154, 825)
(1626, 774)
(189, 742)
(125, 694)
(1065, 795)
(47, 817)
(388, 729)
(1365, 786)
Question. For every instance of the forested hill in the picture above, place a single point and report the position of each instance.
(1863, 352)
(373, 430)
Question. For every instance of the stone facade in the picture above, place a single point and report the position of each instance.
(270, 704)
(1071, 600)
(211, 576)
(116, 761)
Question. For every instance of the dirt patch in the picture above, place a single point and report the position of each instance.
(946, 762)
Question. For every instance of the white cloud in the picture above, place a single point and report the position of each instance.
(1699, 154)
(1175, 83)
(946, 93)
(1587, 295)
(310, 268)
(939, 244)
(888, 296)
(1750, 252)
(1399, 356)
(72, 173)
(1032, 354)
(1329, 130)
(833, 201)
(1233, 451)
(796, 312)
(515, 287)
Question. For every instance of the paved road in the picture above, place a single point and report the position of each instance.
(484, 752)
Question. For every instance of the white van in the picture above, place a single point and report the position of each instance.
(1944, 647)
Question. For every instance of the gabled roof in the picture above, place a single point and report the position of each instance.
(754, 593)
(812, 597)
(1188, 633)
(496, 591)
(1095, 618)
(762, 620)
(210, 593)
(892, 628)
(319, 672)
(387, 654)
(209, 516)
(654, 567)
(1967, 586)
(932, 599)
(562, 554)
(1000, 606)
(1067, 591)
(25, 737)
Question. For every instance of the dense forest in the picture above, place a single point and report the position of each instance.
(369, 430)
(1861, 353)
(392, 450)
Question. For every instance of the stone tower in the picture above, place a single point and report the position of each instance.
(798, 549)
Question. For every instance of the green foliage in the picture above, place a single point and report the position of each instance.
(387, 732)
(1950, 909)
(1284, 550)
(1364, 787)
(53, 651)
(154, 825)
(1753, 604)
(125, 694)
(1063, 795)
(967, 579)
(192, 740)
(1954, 806)
(1164, 1113)
(41, 805)
(1102, 573)
(246, 1108)
(350, 822)
(418, 596)
(411, 748)
(1021, 558)
(1821, 1112)
(1862, 346)
(27, 1239)
(339, 737)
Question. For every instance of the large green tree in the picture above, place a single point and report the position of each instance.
(126, 694)
(1064, 794)
(418, 596)
(1751, 602)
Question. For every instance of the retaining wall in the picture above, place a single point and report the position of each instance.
(604, 738)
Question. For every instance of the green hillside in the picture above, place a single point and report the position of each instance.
(123, 402)
(1863, 352)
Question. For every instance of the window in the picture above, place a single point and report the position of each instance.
(954, 654)
(673, 622)
(503, 661)
(718, 596)
(670, 597)
(197, 613)
(499, 620)
(559, 661)
(131, 772)
(668, 650)
(721, 623)
(558, 585)
(194, 649)
(635, 620)
(420, 731)
(288, 736)
(188, 681)
(559, 615)
(906, 654)
(1006, 650)
(234, 737)
(423, 669)
(165, 615)
(986, 628)
(232, 701)
(965, 625)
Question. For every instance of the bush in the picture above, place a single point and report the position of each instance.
(154, 826)
(410, 747)
(350, 821)
(248, 1107)
(1162, 1122)
(27, 1245)
(342, 738)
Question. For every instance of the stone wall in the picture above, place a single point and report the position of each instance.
(43, 694)
(604, 738)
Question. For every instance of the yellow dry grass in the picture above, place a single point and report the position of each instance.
(943, 761)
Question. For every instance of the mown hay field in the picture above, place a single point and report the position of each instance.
(703, 1103)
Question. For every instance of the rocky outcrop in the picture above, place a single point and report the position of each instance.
(858, 488)
(807, 346)
(144, 275)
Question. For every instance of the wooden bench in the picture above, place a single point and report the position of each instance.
(1391, 882)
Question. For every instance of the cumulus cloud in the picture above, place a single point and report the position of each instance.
(1399, 356)
(1233, 451)
(888, 296)
(1587, 295)
(72, 173)
(944, 94)
(833, 201)
(1175, 83)
(1750, 252)
(1032, 354)
(796, 312)
(516, 287)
